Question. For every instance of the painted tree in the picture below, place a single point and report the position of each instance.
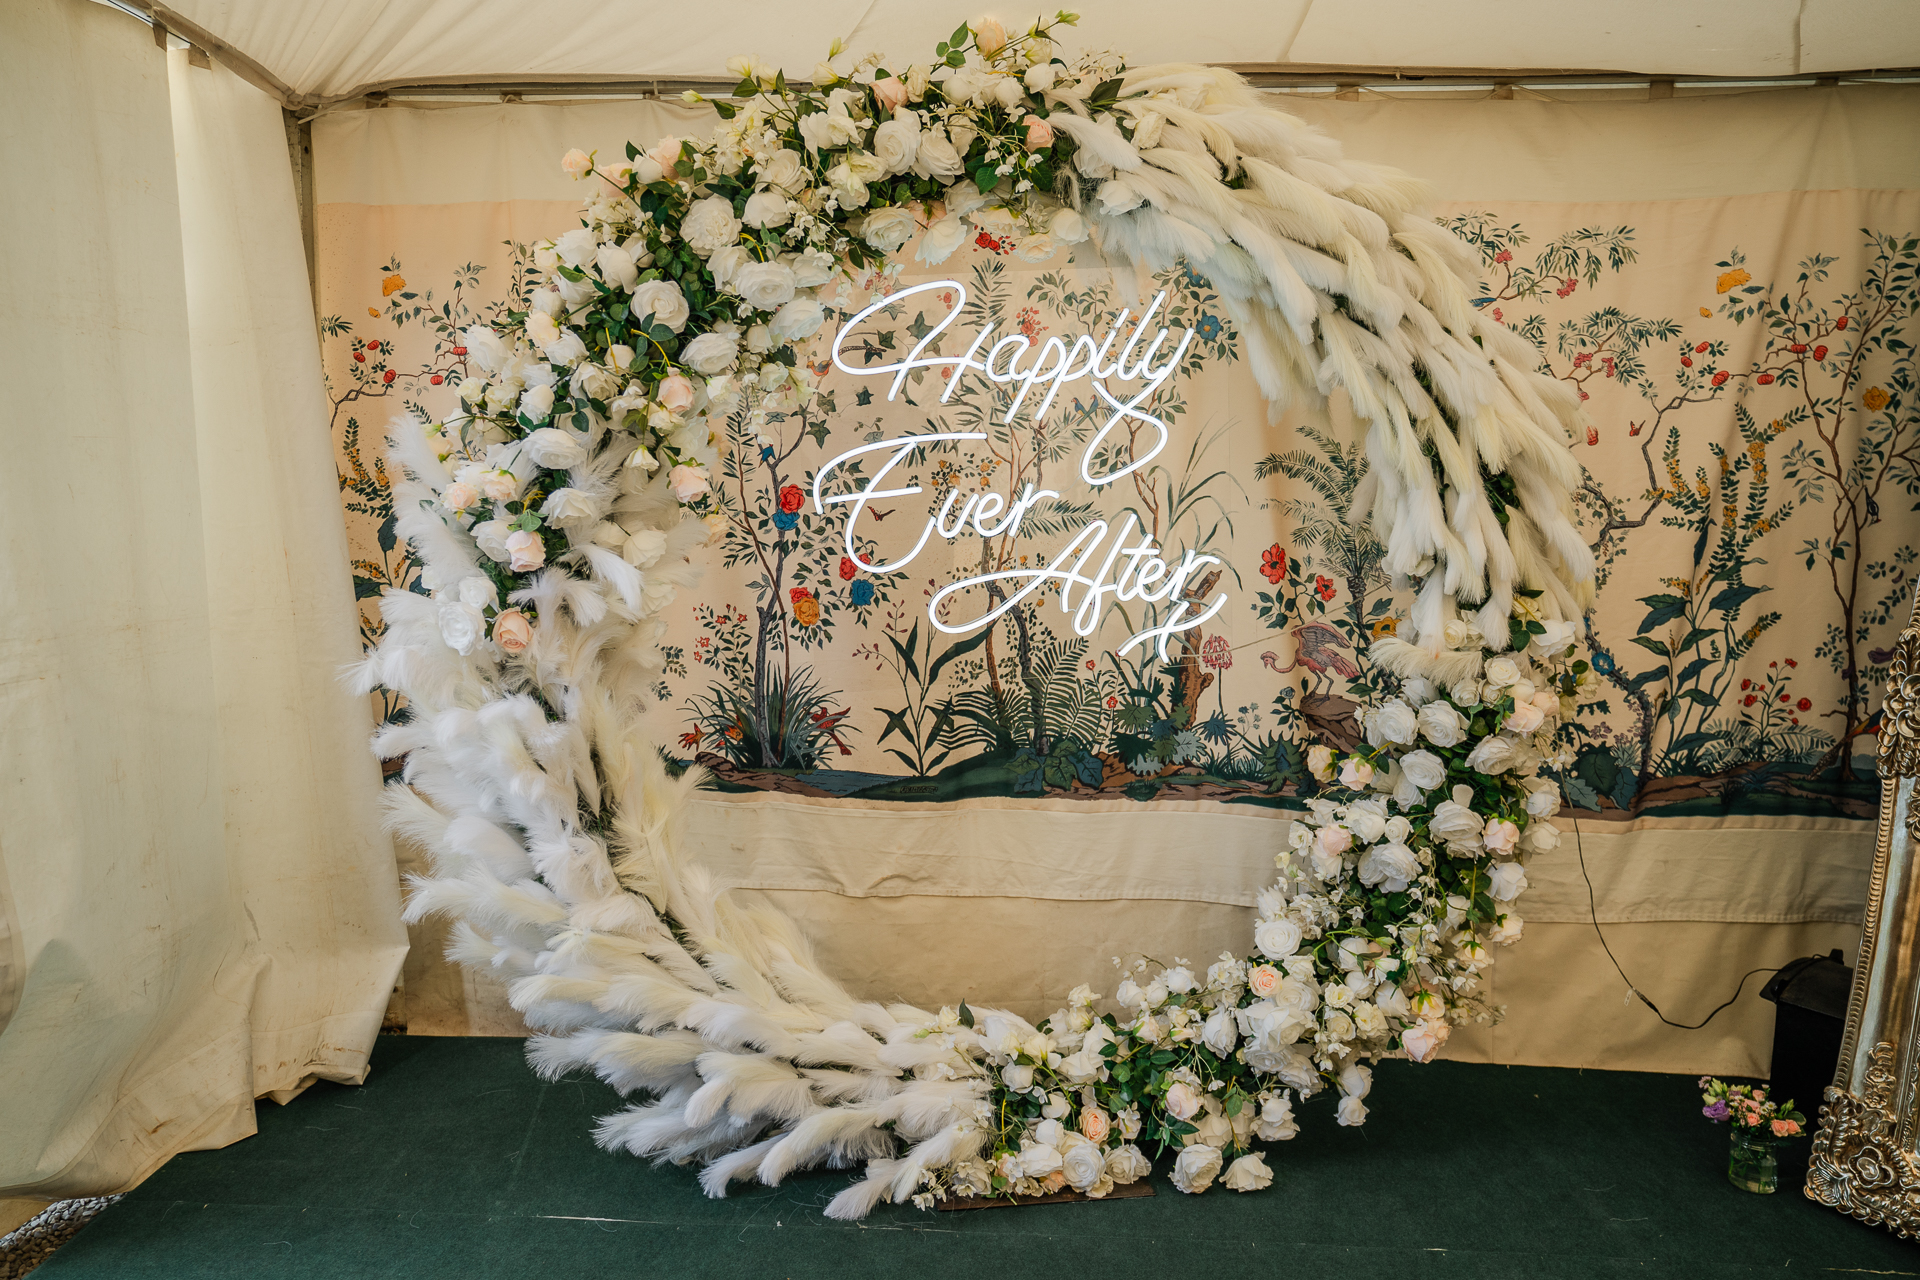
(1848, 362)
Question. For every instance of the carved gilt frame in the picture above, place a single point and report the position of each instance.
(1866, 1154)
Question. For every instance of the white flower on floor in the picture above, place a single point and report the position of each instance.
(1196, 1168)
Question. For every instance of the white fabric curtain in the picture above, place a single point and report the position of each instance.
(199, 904)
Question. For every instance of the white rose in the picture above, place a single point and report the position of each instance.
(1541, 837)
(555, 448)
(1508, 931)
(941, 239)
(764, 285)
(1453, 821)
(1424, 769)
(542, 329)
(1391, 721)
(1353, 1112)
(1196, 1168)
(888, 229)
(1118, 196)
(491, 537)
(1182, 1102)
(710, 225)
(1219, 1033)
(471, 389)
(783, 169)
(478, 591)
(1083, 1067)
(1557, 636)
(1390, 866)
(1277, 939)
(566, 350)
(825, 130)
(811, 269)
(936, 157)
(1126, 1164)
(798, 319)
(1039, 1160)
(1492, 754)
(1442, 724)
(767, 209)
(1085, 1165)
(896, 143)
(1460, 633)
(1248, 1173)
(536, 403)
(484, 348)
(1212, 1129)
(1371, 1021)
(1466, 692)
(1275, 1123)
(569, 506)
(616, 265)
(461, 625)
(848, 189)
(1017, 1077)
(662, 300)
(1423, 1039)
(709, 353)
(1367, 819)
(1418, 690)
(1502, 672)
(1544, 800)
(645, 547)
(726, 261)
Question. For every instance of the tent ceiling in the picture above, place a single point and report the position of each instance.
(326, 50)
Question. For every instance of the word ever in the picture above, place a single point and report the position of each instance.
(1128, 570)
(1056, 364)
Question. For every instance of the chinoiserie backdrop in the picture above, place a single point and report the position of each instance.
(1728, 279)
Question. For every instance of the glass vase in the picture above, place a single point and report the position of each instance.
(1751, 1162)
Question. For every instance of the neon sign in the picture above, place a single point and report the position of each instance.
(1127, 570)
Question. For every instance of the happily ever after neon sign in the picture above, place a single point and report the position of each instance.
(1094, 571)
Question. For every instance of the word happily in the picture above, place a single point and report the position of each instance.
(1094, 571)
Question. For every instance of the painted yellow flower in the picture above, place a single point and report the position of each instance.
(1386, 627)
(1729, 280)
(1875, 398)
(374, 312)
(806, 611)
(394, 284)
(1705, 313)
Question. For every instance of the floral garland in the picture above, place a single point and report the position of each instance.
(556, 518)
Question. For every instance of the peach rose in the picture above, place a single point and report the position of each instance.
(528, 552)
(1355, 772)
(500, 486)
(1094, 1125)
(511, 631)
(891, 92)
(676, 392)
(460, 497)
(1263, 980)
(1183, 1103)
(576, 163)
(1039, 134)
(665, 153)
(989, 37)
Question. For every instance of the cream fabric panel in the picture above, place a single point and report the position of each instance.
(205, 906)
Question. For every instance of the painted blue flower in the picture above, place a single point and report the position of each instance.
(766, 452)
(786, 520)
(1208, 328)
(860, 593)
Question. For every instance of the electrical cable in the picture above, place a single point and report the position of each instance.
(1593, 913)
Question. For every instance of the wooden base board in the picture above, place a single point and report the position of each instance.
(1124, 1191)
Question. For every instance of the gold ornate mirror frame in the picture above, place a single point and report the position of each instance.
(1866, 1154)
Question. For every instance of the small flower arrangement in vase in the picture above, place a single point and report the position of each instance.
(1757, 1125)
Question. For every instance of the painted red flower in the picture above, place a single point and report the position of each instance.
(1793, 662)
(1686, 362)
(1819, 353)
(847, 569)
(436, 379)
(1745, 685)
(1505, 255)
(1805, 704)
(1273, 563)
(1720, 378)
(360, 357)
(1764, 379)
(1323, 587)
(1216, 653)
(387, 377)
(1700, 347)
(1750, 699)
(1797, 347)
(1841, 323)
(797, 594)
(1593, 433)
(459, 351)
(373, 345)
(791, 499)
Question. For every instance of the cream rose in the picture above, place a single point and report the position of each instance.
(1085, 1166)
(1442, 724)
(616, 265)
(1248, 1173)
(569, 506)
(940, 240)
(764, 285)
(461, 625)
(1525, 718)
(1423, 769)
(1196, 1168)
(710, 353)
(1392, 721)
(555, 448)
(536, 403)
(888, 229)
(784, 170)
(662, 300)
(989, 37)
(1352, 1112)
(1492, 754)
(460, 497)
(491, 536)
(767, 209)
(936, 157)
(1500, 836)
(1423, 1039)
(895, 144)
(710, 225)
(1277, 939)
(798, 319)
(1183, 1102)
(1275, 1123)
(511, 631)
(1390, 866)
(1126, 1164)
(1320, 762)
(1502, 672)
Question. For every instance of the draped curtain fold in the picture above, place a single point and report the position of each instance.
(199, 903)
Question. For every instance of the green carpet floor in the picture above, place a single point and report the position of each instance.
(453, 1160)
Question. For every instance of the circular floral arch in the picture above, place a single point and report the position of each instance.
(560, 513)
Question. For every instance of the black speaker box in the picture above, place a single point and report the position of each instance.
(1810, 1008)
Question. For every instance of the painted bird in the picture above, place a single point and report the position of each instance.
(1318, 647)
